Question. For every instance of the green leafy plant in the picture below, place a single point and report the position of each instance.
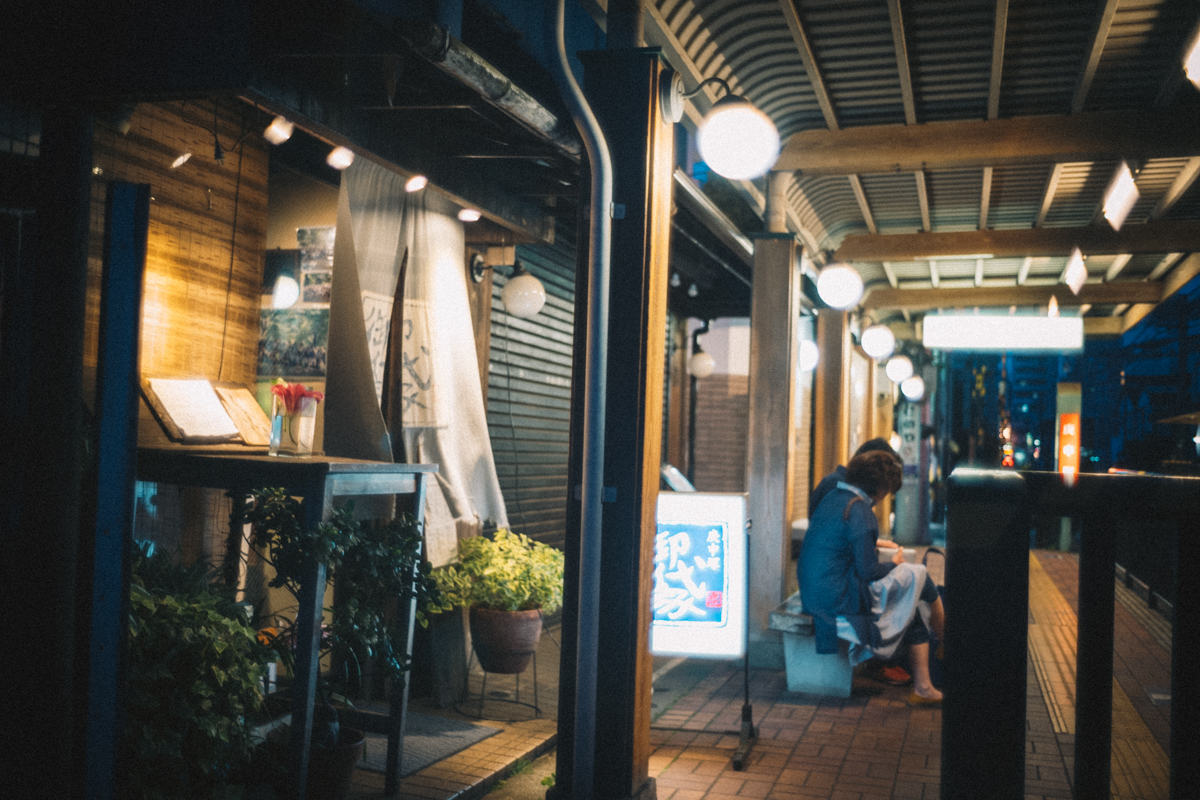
(550, 779)
(508, 572)
(193, 679)
(372, 564)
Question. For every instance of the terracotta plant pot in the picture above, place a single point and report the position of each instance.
(505, 640)
(331, 769)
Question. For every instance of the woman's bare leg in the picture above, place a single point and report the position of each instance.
(918, 658)
(937, 619)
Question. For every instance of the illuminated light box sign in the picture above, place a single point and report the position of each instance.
(985, 332)
(699, 597)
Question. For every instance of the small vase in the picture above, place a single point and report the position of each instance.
(292, 433)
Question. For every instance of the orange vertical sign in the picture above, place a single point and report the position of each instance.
(1068, 445)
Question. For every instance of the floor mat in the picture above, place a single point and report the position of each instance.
(427, 739)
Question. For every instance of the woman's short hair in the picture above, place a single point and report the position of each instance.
(875, 471)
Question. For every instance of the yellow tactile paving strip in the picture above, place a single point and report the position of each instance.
(1154, 623)
(1140, 768)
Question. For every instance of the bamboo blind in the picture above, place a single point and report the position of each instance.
(200, 304)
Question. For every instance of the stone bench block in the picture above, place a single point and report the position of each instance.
(808, 671)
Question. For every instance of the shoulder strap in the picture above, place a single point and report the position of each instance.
(853, 500)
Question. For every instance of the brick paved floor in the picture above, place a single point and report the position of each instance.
(866, 747)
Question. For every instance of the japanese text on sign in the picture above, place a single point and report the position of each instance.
(689, 574)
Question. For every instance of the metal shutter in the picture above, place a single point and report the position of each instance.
(529, 396)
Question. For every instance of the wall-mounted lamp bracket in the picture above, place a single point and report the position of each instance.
(479, 268)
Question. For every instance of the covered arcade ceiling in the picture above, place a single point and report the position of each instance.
(955, 152)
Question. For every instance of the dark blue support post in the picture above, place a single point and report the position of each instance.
(106, 535)
(987, 609)
(1093, 658)
(1185, 655)
(308, 650)
(398, 690)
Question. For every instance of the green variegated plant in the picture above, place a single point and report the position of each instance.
(506, 572)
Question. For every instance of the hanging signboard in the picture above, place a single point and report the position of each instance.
(700, 594)
(1068, 432)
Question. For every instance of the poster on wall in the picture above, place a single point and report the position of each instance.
(700, 594)
(293, 343)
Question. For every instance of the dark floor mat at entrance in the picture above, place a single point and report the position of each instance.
(427, 739)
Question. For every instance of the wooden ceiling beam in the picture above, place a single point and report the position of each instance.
(902, 66)
(969, 297)
(985, 198)
(923, 200)
(809, 58)
(1152, 237)
(1101, 326)
(1178, 277)
(1183, 181)
(1048, 195)
(1099, 38)
(999, 33)
(863, 206)
(996, 142)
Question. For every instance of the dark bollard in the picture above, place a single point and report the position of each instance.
(1185, 654)
(987, 611)
(1093, 660)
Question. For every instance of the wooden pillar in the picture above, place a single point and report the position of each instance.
(774, 315)
(831, 420)
(623, 89)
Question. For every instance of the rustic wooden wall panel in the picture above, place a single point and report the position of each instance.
(200, 307)
(722, 428)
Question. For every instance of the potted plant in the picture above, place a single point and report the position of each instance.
(507, 582)
(372, 564)
(193, 683)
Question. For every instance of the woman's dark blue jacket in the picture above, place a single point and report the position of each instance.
(837, 565)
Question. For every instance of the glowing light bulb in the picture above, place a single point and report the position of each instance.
(810, 355)
(701, 365)
(899, 369)
(469, 215)
(340, 157)
(878, 341)
(416, 183)
(840, 285)
(737, 140)
(279, 131)
(523, 296)
(913, 388)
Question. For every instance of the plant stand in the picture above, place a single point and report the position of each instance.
(464, 705)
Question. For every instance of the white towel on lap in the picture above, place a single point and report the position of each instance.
(895, 600)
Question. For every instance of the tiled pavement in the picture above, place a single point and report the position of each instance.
(871, 745)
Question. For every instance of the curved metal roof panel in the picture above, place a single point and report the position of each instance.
(950, 55)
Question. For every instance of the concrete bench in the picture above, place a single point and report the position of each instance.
(807, 670)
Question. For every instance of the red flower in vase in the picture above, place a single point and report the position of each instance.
(292, 393)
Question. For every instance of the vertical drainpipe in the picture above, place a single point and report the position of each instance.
(593, 426)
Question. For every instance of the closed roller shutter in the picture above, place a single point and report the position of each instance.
(529, 396)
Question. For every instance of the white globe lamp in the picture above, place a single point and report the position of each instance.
(840, 286)
(701, 365)
(913, 388)
(737, 140)
(899, 369)
(810, 355)
(523, 295)
(878, 341)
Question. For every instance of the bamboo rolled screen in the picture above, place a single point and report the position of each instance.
(200, 306)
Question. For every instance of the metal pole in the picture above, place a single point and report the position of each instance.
(594, 405)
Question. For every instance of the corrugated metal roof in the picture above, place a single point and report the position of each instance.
(1054, 54)
(853, 43)
(951, 63)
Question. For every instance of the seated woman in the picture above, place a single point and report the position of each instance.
(850, 595)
